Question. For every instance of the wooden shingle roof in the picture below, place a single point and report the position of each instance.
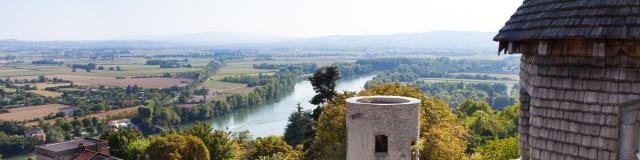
(573, 19)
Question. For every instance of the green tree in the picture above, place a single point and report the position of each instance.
(42, 79)
(202, 92)
(330, 133)
(267, 146)
(498, 149)
(219, 143)
(299, 129)
(324, 84)
(54, 136)
(484, 124)
(119, 141)
(444, 137)
(223, 146)
(177, 147)
(201, 130)
(99, 107)
(278, 156)
(469, 106)
(137, 149)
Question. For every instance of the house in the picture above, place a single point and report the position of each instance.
(579, 78)
(35, 132)
(68, 110)
(120, 123)
(80, 149)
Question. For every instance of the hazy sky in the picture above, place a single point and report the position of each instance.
(116, 19)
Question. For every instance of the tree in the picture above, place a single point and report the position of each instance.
(201, 130)
(498, 149)
(330, 133)
(99, 107)
(219, 143)
(54, 136)
(118, 68)
(298, 130)
(91, 66)
(42, 79)
(184, 96)
(444, 137)
(137, 149)
(223, 146)
(469, 107)
(177, 147)
(278, 156)
(267, 146)
(324, 84)
(202, 92)
(120, 139)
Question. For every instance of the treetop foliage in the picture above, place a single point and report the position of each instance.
(324, 84)
(443, 136)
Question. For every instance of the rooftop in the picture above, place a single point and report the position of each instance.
(62, 146)
(571, 19)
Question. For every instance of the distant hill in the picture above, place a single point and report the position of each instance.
(440, 40)
(214, 38)
(465, 41)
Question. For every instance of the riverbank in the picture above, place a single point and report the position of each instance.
(272, 118)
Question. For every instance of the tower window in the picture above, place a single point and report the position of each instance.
(381, 143)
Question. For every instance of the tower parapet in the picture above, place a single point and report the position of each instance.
(382, 127)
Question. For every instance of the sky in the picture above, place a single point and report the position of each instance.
(120, 19)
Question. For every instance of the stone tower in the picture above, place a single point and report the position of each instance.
(382, 127)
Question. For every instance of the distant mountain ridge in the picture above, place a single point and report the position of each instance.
(214, 38)
(437, 40)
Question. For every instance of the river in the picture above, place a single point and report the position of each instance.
(271, 119)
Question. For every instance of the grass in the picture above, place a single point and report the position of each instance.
(31, 112)
(122, 112)
(42, 86)
(47, 93)
(219, 89)
(134, 70)
(10, 90)
(220, 85)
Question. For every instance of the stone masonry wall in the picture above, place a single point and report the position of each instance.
(398, 121)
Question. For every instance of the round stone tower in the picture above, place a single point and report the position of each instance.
(382, 127)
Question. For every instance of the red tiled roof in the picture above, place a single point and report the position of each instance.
(86, 155)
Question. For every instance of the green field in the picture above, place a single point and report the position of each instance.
(435, 80)
(238, 67)
(10, 90)
(232, 68)
(127, 70)
(511, 76)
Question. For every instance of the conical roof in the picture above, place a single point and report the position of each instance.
(573, 19)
